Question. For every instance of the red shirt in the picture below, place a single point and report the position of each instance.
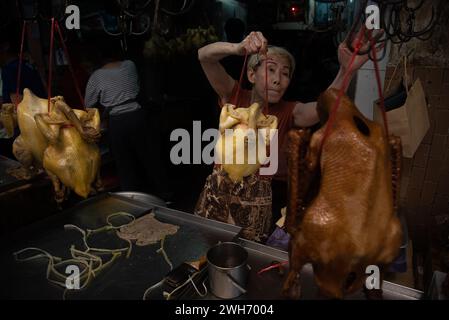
(283, 110)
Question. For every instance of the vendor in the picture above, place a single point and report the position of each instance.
(115, 87)
(249, 204)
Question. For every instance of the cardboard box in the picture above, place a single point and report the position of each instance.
(408, 117)
(394, 79)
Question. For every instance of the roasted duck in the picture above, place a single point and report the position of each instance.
(342, 205)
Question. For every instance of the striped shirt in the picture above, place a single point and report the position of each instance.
(116, 89)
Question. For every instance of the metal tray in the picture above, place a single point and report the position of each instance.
(268, 285)
(126, 278)
(129, 278)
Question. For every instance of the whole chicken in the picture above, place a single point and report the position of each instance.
(341, 213)
(239, 142)
(61, 141)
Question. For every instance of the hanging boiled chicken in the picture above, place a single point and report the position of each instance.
(228, 146)
(62, 141)
(342, 205)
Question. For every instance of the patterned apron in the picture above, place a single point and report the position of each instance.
(246, 204)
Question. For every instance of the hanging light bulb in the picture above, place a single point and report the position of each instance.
(294, 9)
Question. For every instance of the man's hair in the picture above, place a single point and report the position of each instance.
(255, 60)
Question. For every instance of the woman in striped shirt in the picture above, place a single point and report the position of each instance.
(115, 86)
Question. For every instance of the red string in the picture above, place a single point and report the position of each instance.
(274, 266)
(235, 99)
(19, 68)
(239, 84)
(50, 61)
(379, 85)
(66, 53)
(336, 105)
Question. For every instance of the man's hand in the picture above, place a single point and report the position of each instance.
(255, 42)
(345, 54)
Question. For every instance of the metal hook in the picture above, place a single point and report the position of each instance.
(147, 27)
(125, 21)
(181, 11)
(108, 32)
(140, 10)
(429, 26)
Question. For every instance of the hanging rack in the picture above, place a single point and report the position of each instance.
(129, 11)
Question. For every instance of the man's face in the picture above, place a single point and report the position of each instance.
(278, 69)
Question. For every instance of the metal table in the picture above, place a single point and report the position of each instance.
(129, 278)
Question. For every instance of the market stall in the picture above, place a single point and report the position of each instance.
(215, 149)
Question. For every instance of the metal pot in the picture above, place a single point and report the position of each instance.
(228, 270)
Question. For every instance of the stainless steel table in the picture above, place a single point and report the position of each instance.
(129, 278)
